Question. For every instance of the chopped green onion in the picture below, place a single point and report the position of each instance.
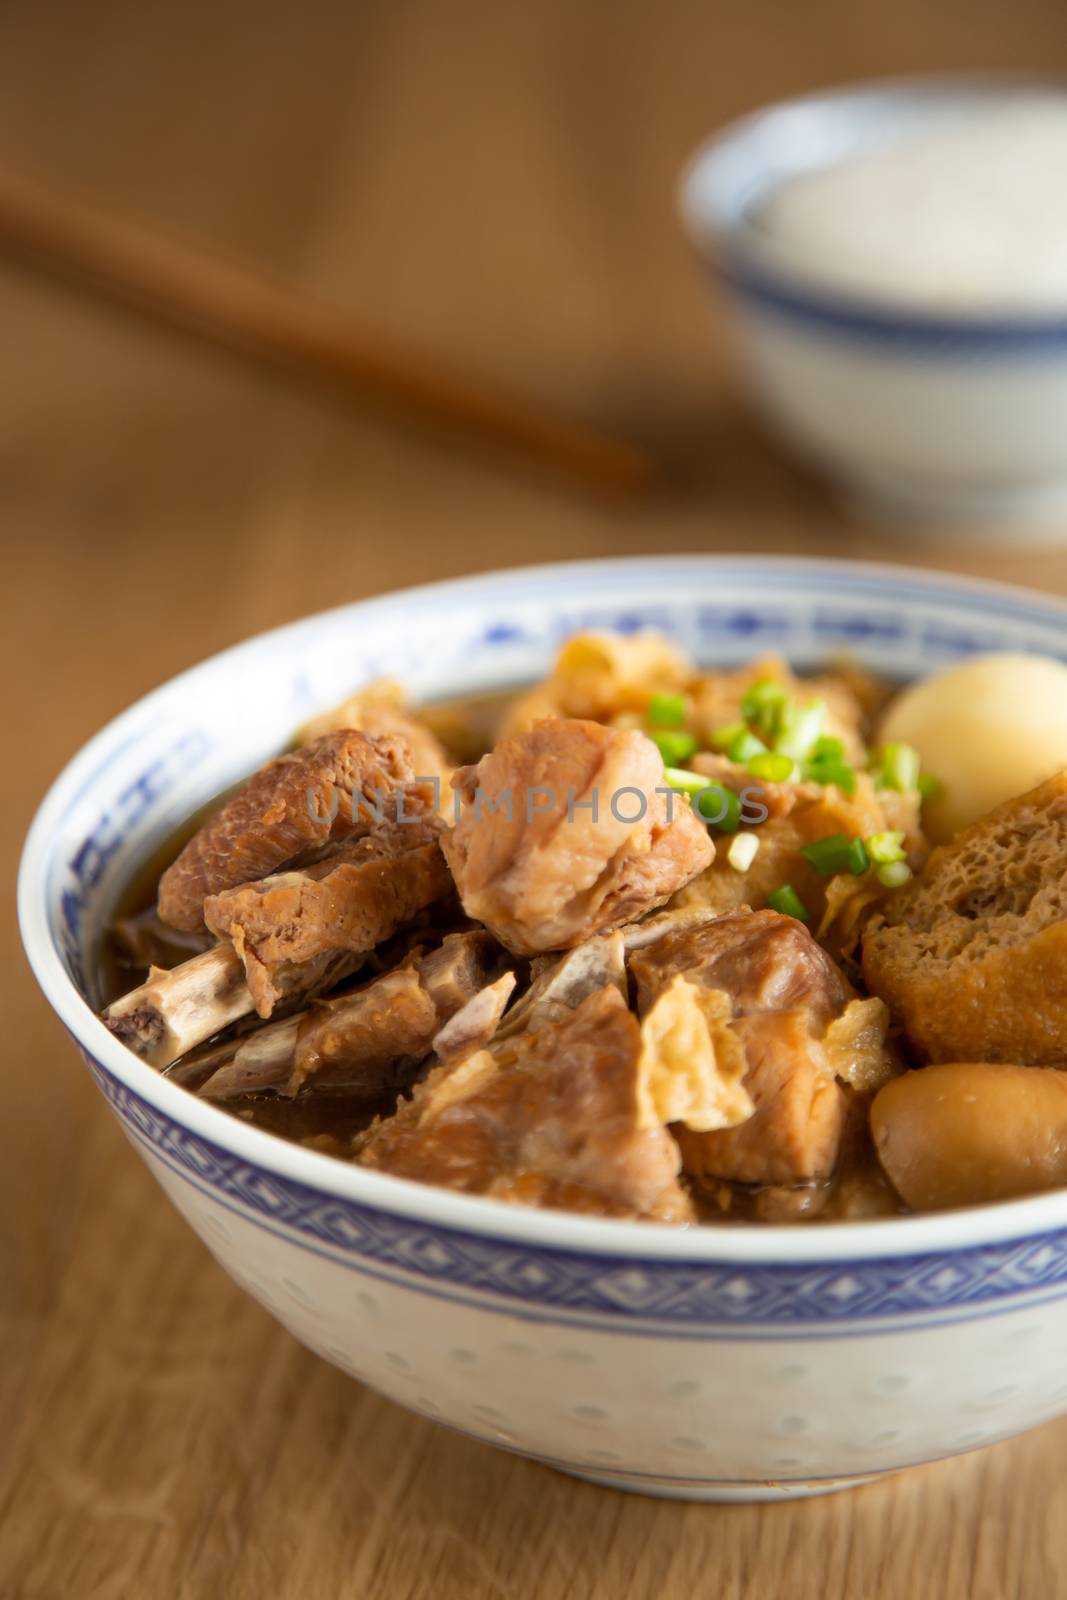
(829, 748)
(744, 848)
(884, 848)
(896, 766)
(687, 782)
(723, 738)
(836, 853)
(772, 766)
(760, 694)
(719, 807)
(858, 858)
(744, 746)
(893, 873)
(666, 711)
(788, 902)
(800, 727)
(928, 785)
(830, 770)
(674, 745)
(764, 703)
(828, 856)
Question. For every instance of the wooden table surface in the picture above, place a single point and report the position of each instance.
(494, 181)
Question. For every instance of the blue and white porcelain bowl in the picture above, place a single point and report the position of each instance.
(717, 1363)
(925, 414)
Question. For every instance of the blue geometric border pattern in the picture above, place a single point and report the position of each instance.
(678, 1293)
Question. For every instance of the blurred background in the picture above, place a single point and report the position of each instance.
(489, 183)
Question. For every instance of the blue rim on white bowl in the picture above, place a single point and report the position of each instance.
(306, 1218)
(727, 178)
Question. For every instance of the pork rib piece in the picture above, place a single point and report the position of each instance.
(553, 1118)
(298, 803)
(176, 1010)
(354, 898)
(293, 935)
(568, 830)
(369, 1041)
(764, 961)
(784, 996)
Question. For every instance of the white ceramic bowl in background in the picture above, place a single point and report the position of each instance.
(957, 419)
(705, 1363)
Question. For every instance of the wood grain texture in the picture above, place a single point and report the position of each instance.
(494, 182)
(60, 234)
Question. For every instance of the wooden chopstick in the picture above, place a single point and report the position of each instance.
(232, 307)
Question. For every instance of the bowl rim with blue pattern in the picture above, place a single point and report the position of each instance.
(728, 174)
(107, 810)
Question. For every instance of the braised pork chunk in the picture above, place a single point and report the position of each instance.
(296, 804)
(352, 900)
(552, 1118)
(765, 963)
(543, 853)
(783, 993)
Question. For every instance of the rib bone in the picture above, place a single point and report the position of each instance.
(370, 1040)
(176, 1010)
(561, 983)
(474, 1024)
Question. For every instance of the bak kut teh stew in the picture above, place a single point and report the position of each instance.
(644, 941)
